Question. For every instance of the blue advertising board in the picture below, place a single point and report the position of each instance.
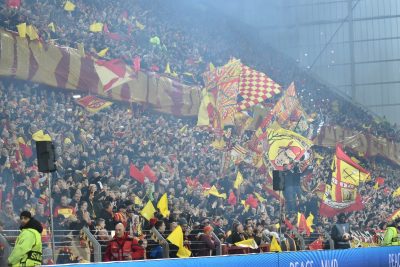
(380, 256)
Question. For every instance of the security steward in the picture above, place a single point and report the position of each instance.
(391, 237)
(27, 251)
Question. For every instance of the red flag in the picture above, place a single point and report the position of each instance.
(149, 173)
(380, 181)
(155, 68)
(136, 174)
(251, 201)
(302, 224)
(105, 29)
(232, 199)
(192, 183)
(289, 225)
(26, 150)
(136, 63)
(317, 244)
(13, 3)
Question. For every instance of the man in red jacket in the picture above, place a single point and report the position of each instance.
(123, 247)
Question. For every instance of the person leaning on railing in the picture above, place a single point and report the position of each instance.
(391, 237)
(28, 247)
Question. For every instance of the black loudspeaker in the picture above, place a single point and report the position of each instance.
(278, 181)
(46, 156)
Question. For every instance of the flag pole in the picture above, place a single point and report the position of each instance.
(49, 175)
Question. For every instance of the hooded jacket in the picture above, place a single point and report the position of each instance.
(28, 247)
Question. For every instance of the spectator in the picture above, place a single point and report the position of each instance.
(341, 233)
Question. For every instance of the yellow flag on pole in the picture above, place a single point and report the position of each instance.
(148, 211)
(103, 52)
(22, 30)
(40, 136)
(259, 197)
(238, 181)
(69, 6)
(396, 193)
(139, 25)
(96, 27)
(162, 205)
(211, 66)
(167, 69)
(214, 191)
(176, 238)
(32, 32)
(52, 27)
(275, 247)
(310, 222)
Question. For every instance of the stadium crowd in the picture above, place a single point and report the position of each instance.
(93, 187)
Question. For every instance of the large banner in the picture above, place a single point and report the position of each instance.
(64, 67)
(363, 143)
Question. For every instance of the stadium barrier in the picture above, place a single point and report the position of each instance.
(379, 256)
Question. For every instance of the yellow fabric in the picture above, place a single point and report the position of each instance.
(214, 191)
(139, 25)
(396, 193)
(176, 238)
(183, 129)
(376, 186)
(211, 66)
(22, 30)
(275, 247)
(69, 6)
(310, 222)
(138, 201)
(148, 211)
(67, 141)
(96, 27)
(162, 205)
(246, 207)
(167, 69)
(32, 32)
(21, 140)
(81, 49)
(202, 117)
(259, 197)
(218, 144)
(52, 27)
(40, 136)
(248, 243)
(155, 40)
(103, 52)
(238, 181)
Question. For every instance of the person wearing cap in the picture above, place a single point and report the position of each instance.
(392, 232)
(27, 251)
(340, 233)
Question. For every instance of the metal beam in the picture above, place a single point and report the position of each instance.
(353, 90)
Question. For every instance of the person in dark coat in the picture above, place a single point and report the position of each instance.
(341, 233)
(209, 243)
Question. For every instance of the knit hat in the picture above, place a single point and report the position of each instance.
(208, 229)
(25, 214)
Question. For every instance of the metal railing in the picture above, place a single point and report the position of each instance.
(97, 255)
(162, 241)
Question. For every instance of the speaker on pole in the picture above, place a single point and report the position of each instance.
(46, 156)
(278, 181)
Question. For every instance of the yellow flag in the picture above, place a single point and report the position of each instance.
(176, 238)
(214, 191)
(52, 27)
(69, 6)
(81, 49)
(275, 247)
(167, 69)
(248, 243)
(259, 197)
(203, 118)
(211, 66)
(32, 32)
(103, 52)
(138, 201)
(218, 144)
(310, 222)
(22, 30)
(238, 181)
(162, 205)
(40, 136)
(139, 25)
(246, 207)
(376, 186)
(148, 211)
(96, 27)
(183, 129)
(396, 193)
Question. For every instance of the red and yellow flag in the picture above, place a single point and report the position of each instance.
(93, 104)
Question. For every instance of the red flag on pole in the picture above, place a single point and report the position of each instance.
(232, 199)
(251, 201)
(136, 174)
(149, 173)
(13, 3)
(136, 63)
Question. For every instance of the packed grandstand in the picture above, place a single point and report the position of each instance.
(140, 108)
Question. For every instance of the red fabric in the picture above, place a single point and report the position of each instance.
(26, 150)
(327, 211)
(136, 174)
(302, 226)
(155, 68)
(380, 180)
(13, 3)
(149, 173)
(115, 65)
(288, 224)
(251, 201)
(232, 199)
(136, 63)
(317, 244)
